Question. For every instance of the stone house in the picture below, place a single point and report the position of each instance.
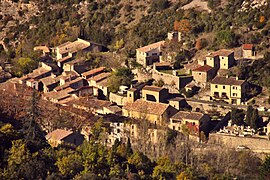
(70, 49)
(61, 136)
(155, 94)
(149, 54)
(228, 89)
(156, 113)
(32, 79)
(195, 122)
(203, 74)
(221, 59)
(248, 50)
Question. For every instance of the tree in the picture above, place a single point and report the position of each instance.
(24, 66)
(160, 4)
(265, 168)
(249, 115)
(140, 163)
(237, 116)
(159, 83)
(122, 76)
(182, 26)
(165, 169)
(225, 38)
(70, 165)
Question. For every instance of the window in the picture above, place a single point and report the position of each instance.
(154, 54)
(129, 95)
(118, 130)
(178, 128)
(146, 54)
(224, 64)
(118, 124)
(216, 86)
(223, 87)
(233, 87)
(200, 73)
(193, 123)
(132, 127)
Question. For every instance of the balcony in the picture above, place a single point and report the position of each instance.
(223, 96)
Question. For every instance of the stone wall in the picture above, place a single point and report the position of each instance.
(255, 144)
(178, 81)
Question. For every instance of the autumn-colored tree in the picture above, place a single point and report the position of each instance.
(262, 19)
(182, 26)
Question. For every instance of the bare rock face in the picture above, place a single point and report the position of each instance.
(247, 4)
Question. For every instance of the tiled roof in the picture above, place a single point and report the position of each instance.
(58, 134)
(227, 81)
(68, 84)
(100, 77)
(36, 74)
(160, 64)
(90, 102)
(45, 49)
(93, 71)
(188, 115)
(64, 59)
(152, 88)
(50, 80)
(73, 46)
(221, 52)
(204, 68)
(247, 46)
(177, 99)
(147, 107)
(192, 66)
(151, 46)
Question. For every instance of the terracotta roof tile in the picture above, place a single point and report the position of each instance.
(188, 115)
(227, 81)
(100, 77)
(93, 71)
(151, 46)
(221, 52)
(147, 107)
(152, 88)
(247, 46)
(204, 68)
(58, 134)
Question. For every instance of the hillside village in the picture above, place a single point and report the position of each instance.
(193, 93)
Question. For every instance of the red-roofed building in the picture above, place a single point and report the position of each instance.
(204, 73)
(248, 50)
(149, 54)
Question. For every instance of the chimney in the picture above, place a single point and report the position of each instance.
(236, 78)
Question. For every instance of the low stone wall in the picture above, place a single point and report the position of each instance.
(178, 81)
(260, 145)
(118, 99)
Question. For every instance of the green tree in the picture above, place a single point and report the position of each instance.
(140, 163)
(24, 66)
(165, 169)
(225, 38)
(122, 76)
(70, 165)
